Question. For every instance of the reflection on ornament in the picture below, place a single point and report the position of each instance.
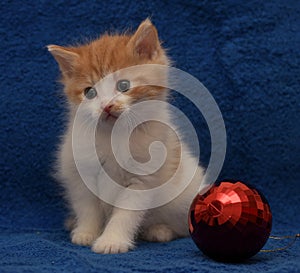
(230, 222)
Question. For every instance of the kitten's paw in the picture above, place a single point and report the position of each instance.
(111, 245)
(159, 233)
(83, 238)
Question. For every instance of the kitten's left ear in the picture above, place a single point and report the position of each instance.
(145, 42)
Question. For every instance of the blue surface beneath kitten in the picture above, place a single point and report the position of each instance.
(246, 54)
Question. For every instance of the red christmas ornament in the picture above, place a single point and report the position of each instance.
(231, 222)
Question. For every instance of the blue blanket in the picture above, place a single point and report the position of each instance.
(245, 52)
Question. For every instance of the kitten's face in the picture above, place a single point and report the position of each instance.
(87, 71)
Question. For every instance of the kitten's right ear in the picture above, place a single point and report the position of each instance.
(65, 57)
(145, 42)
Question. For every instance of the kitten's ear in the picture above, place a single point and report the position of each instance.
(145, 42)
(65, 57)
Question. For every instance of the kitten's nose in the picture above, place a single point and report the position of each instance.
(108, 107)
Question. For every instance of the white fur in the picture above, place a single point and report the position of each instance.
(110, 229)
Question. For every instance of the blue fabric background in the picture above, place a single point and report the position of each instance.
(245, 52)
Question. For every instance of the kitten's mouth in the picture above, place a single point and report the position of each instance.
(108, 116)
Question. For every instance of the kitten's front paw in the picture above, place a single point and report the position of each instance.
(111, 245)
(83, 238)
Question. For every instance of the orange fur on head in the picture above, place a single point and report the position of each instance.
(84, 66)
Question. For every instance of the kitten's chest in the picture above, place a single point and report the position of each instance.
(108, 156)
(118, 156)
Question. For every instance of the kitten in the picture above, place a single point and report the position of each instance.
(93, 222)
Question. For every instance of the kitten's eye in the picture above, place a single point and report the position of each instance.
(123, 85)
(90, 93)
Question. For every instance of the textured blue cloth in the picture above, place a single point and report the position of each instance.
(245, 52)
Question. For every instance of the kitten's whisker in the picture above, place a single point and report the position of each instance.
(86, 127)
(136, 121)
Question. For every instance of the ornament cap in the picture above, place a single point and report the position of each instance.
(215, 208)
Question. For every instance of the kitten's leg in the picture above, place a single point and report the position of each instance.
(159, 233)
(118, 236)
(88, 213)
(120, 231)
(70, 222)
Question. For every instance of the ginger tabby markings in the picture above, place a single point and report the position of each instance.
(92, 222)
